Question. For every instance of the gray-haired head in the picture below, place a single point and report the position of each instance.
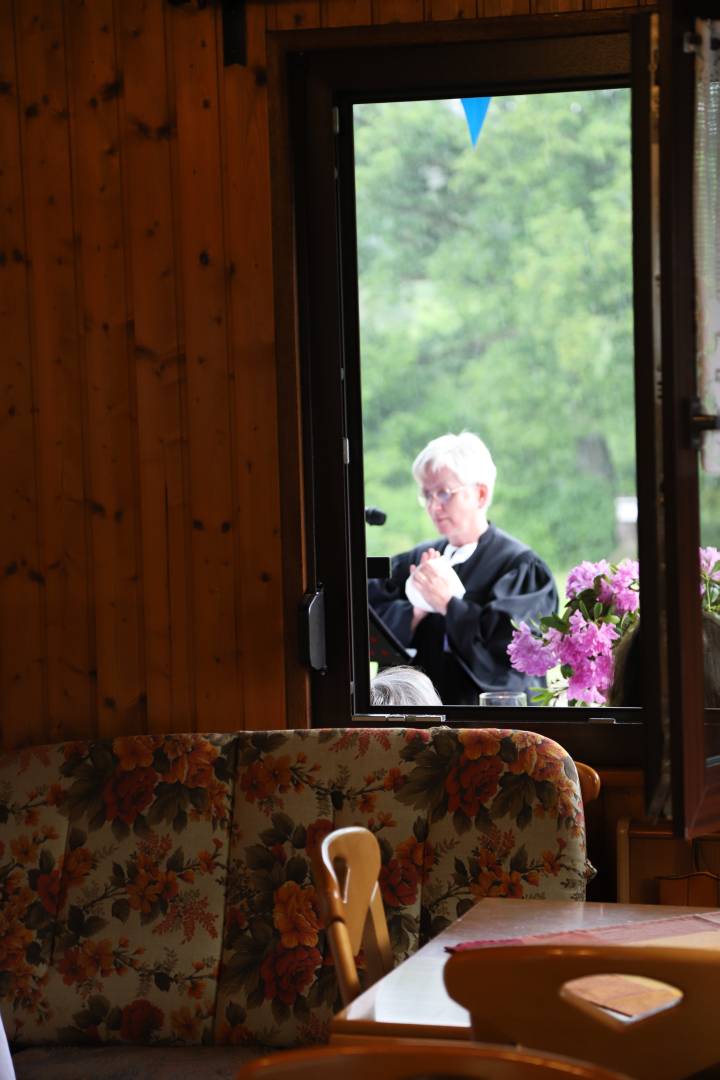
(465, 454)
(403, 686)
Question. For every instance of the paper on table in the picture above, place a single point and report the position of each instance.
(630, 995)
(675, 929)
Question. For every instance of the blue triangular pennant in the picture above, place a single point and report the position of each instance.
(475, 111)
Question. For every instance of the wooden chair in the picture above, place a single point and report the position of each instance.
(408, 1059)
(346, 878)
(589, 781)
(518, 994)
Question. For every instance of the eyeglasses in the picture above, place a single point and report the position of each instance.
(442, 495)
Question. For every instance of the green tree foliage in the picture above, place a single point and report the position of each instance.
(496, 296)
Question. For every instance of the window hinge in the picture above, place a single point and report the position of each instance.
(346, 451)
(336, 120)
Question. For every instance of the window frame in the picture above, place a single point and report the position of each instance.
(306, 67)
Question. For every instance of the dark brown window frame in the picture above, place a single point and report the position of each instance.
(305, 329)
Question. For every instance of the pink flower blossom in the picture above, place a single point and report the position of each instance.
(582, 640)
(529, 653)
(709, 559)
(621, 590)
(582, 577)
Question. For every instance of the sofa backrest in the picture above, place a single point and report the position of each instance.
(157, 888)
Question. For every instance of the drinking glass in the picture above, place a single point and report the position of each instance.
(504, 697)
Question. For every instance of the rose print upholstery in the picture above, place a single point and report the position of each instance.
(156, 889)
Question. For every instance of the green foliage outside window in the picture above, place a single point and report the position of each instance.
(496, 296)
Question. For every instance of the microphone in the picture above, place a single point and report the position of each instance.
(374, 516)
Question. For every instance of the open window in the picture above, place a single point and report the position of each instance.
(367, 326)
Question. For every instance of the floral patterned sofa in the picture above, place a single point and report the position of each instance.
(155, 891)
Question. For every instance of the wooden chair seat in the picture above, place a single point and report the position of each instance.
(518, 994)
(408, 1059)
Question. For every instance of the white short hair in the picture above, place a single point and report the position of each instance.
(403, 686)
(465, 454)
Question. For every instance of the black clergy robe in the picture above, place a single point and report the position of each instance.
(465, 651)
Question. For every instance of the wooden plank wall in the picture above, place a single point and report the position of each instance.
(140, 564)
(141, 567)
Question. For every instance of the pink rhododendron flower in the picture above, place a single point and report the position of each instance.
(603, 603)
(582, 577)
(621, 588)
(528, 653)
(709, 558)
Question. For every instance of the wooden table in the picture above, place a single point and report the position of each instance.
(411, 1001)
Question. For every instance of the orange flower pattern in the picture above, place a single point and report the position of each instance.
(128, 888)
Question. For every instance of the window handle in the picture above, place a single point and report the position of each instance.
(701, 421)
(312, 630)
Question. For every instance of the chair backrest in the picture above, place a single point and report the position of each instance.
(346, 872)
(402, 1059)
(589, 781)
(519, 994)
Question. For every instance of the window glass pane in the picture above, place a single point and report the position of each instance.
(710, 593)
(495, 289)
(706, 218)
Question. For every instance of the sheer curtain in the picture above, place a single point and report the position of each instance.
(707, 226)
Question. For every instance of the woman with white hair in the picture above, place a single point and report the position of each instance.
(403, 686)
(454, 599)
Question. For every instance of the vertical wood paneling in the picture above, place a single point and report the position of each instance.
(159, 363)
(547, 7)
(296, 14)
(60, 380)
(95, 87)
(140, 557)
(346, 12)
(192, 38)
(247, 166)
(392, 11)
(23, 705)
(493, 8)
(451, 9)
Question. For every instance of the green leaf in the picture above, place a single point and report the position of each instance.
(296, 869)
(262, 932)
(256, 997)
(102, 759)
(235, 1014)
(516, 792)
(93, 925)
(421, 829)
(299, 837)
(76, 838)
(258, 857)
(176, 862)
(283, 825)
(46, 862)
(113, 1021)
(519, 860)
(75, 919)
(120, 910)
(99, 1007)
